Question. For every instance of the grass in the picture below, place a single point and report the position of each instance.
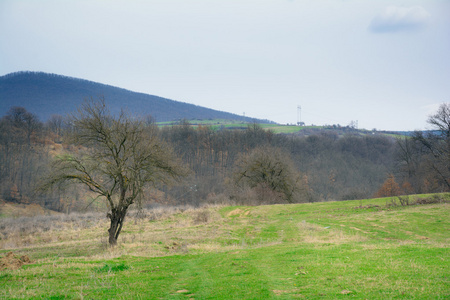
(217, 124)
(278, 128)
(366, 249)
(220, 124)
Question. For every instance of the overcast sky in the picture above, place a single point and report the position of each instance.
(384, 63)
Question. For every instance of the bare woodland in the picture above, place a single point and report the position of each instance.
(125, 161)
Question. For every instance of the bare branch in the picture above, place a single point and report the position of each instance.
(117, 158)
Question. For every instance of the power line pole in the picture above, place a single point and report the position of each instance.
(299, 115)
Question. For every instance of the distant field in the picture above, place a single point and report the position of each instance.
(366, 249)
(218, 124)
(227, 124)
(286, 128)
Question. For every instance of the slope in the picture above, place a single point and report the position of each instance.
(46, 94)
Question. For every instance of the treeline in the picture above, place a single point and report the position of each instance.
(423, 161)
(21, 154)
(322, 166)
(27, 146)
(334, 168)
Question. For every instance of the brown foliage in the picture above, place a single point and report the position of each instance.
(389, 188)
(407, 188)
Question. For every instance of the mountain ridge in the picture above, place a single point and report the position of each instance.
(46, 94)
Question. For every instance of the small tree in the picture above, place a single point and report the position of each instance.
(407, 188)
(389, 188)
(118, 157)
(269, 171)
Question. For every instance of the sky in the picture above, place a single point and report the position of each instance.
(384, 64)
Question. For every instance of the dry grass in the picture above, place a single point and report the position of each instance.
(46, 229)
(312, 233)
(162, 231)
(284, 251)
(153, 232)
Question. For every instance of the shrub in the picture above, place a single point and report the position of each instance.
(109, 268)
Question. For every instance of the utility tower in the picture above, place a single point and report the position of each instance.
(299, 116)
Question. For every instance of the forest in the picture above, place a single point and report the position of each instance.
(223, 165)
(46, 94)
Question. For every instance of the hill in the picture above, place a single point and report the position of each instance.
(46, 94)
(364, 249)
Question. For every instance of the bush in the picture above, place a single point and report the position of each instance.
(110, 268)
(271, 174)
(406, 200)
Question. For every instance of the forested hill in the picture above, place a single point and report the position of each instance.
(47, 94)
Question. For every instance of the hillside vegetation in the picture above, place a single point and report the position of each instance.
(327, 165)
(50, 94)
(363, 249)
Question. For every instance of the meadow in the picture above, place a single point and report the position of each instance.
(387, 248)
(217, 124)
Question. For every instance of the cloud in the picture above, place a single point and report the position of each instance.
(395, 19)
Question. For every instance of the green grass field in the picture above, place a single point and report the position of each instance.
(218, 124)
(362, 249)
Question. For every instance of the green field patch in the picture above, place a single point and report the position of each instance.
(108, 268)
(362, 249)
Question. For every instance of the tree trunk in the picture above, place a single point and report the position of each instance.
(117, 217)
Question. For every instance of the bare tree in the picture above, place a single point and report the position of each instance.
(437, 143)
(269, 169)
(441, 121)
(21, 154)
(23, 121)
(55, 124)
(118, 157)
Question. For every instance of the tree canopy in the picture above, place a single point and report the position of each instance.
(269, 169)
(117, 158)
(436, 143)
